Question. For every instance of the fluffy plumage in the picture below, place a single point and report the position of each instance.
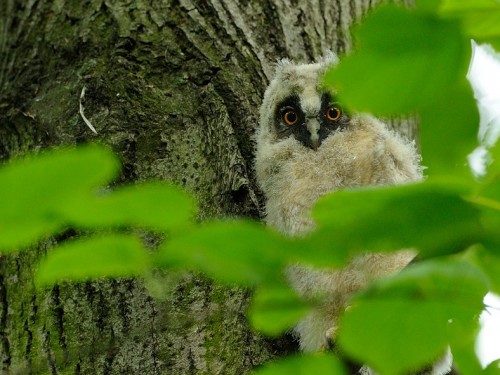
(307, 146)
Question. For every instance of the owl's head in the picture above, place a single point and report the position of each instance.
(297, 105)
(307, 146)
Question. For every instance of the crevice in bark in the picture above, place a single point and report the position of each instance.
(277, 36)
(154, 347)
(191, 363)
(51, 361)
(352, 9)
(29, 342)
(58, 310)
(110, 354)
(6, 356)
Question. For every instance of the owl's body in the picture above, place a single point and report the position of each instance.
(307, 146)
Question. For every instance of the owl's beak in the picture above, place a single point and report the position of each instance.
(313, 129)
(314, 144)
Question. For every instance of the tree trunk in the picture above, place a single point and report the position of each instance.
(174, 87)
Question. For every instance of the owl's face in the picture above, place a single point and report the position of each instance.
(296, 105)
(309, 124)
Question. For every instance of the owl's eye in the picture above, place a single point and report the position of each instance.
(333, 113)
(290, 117)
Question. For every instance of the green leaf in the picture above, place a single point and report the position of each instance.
(303, 365)
(463, 346)
(489, 262)
(276, 308)
(156, 205)
(413, 345)
(432, 218)
(321, 249)
(436, 279)
(466, 6)
(406, 60)
(406, 322)
(493, 368)
(97, 257)
(480, 18)
(489, 185)
(490, 219)
(448, 132)
(493, 169)
(429, 5)
(495, 42)
(36, 190)
(19, 233)
(232, 251)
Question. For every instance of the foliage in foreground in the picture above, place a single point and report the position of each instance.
(420, 57)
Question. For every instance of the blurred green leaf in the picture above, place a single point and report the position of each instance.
(480, 18)
(395, 340)
(156, 205)
(448, 132)
(320, 249)
(35, 190)
(466, 6)
(21, 233)
(487, 199)
(304, 365)
(493, 168)
(109, 256)
(276, 308)
(435, 279)
(413, 310)
(432, 218)
(463, 346)
(495, 43)
(428, 5)
(493, 368)
(489, 185)
(241, 252)
(406, 60)
(489, 262)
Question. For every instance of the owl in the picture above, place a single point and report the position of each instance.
(307, 145)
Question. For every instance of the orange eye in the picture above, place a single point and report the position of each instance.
(333, 113)
(290, 117)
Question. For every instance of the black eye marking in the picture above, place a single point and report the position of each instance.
(332, 115)
(289, 116)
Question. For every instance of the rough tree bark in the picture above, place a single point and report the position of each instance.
(174, 87)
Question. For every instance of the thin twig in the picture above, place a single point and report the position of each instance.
(89, 124)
